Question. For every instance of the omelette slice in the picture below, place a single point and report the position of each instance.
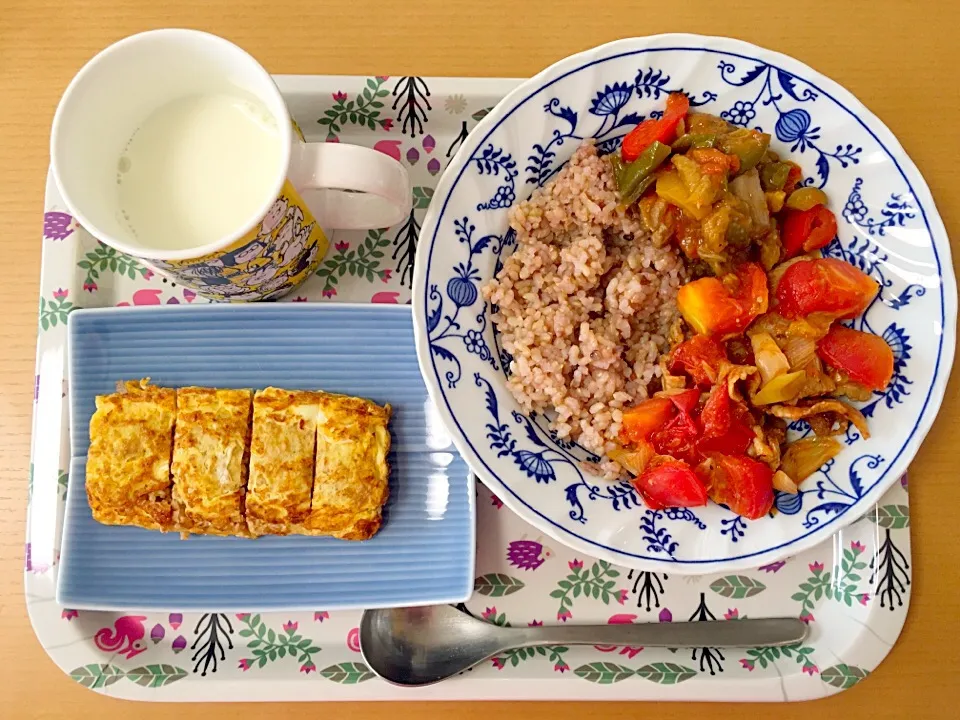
(350, 487)
(128, 463)
(282, 450)
(210, 461)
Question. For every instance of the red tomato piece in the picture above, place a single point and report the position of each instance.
(742, 484)
(866, 359)
(725, 422)
(686, 401)
(717, 415)
(824, 285)
(670, 483)
(699, 357)
(807, 230)
(677, 438)
(641, 420)
(710, 307)
(649, 131)
(735, 441)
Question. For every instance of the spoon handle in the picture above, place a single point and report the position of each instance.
(749, 632)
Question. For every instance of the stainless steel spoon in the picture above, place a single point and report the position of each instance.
(423, 645)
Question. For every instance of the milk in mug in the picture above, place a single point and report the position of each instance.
(197, 169)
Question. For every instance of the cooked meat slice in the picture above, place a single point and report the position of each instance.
(840, 410)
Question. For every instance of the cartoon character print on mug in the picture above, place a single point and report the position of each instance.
(270, 260)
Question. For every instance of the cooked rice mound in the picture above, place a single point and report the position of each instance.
(586, 302)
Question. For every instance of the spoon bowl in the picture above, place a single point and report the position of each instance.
(424, 645)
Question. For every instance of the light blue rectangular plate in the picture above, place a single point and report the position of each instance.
(423, 555)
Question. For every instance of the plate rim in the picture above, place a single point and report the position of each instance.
(842, 97)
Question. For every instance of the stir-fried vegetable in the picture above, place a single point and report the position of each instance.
(649, 131)
(726, 424)
(804, 457)
(671, 187)
(864, 358)
(670, 483)
(800, 351)
(714, 162)
(807, 230)
(635, 459)
(724, 308)
(824, 285)
(773, 176)
(700, 358)
(641, 420)
(781, 389)
(678, 436)
(784, 483)
(794, 176)
(635, 177)
(717, 424)
(806, 198)
(742, 484)
(747, 188)
(694, 140)
(748, 145)
(769, 358)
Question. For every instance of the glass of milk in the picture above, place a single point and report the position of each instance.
(176, 147)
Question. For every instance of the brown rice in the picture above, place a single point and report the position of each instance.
(586, 302)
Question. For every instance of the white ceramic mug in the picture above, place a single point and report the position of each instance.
(274, 247)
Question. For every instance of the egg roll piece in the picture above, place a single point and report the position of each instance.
(282, 450)
(128, 463)
(351, 483)
(210, 457)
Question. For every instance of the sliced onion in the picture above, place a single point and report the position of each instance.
(783, 483)
(804, 457)
(747, 188)
(634, 460)
(674, 384)
(800, 351)
(770, 360)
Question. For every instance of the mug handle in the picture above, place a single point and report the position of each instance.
(349, 187)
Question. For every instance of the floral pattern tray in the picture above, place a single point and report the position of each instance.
(853, 590)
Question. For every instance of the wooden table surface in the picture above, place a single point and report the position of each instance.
(899, 58)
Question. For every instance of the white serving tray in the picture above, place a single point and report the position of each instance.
(854, 589)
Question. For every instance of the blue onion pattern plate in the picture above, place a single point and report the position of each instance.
(423, 555)
(889, 228)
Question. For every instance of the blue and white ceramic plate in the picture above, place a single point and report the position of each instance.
(423, 555)
(889, 227)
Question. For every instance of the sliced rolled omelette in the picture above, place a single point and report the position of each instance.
(350, 487)
(128, 463)
(210, 459)
(281, 460)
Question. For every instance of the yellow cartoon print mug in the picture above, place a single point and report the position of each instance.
(176, 147)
